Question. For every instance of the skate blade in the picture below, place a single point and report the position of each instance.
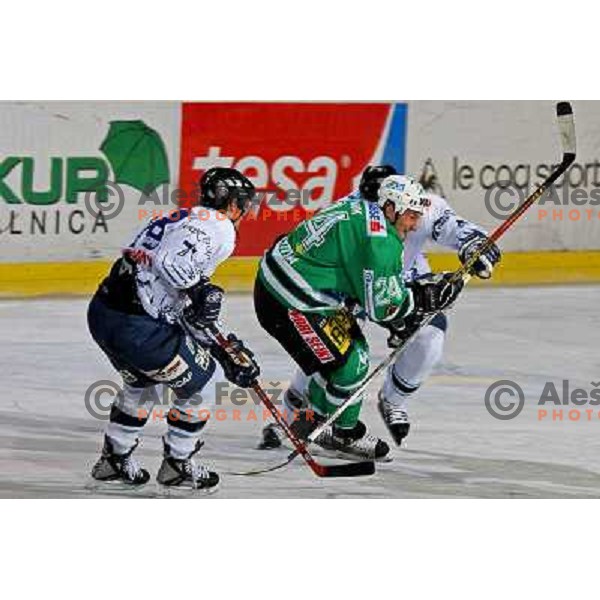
(120, 488)
(267, 447)
(317, 450)
(177, 491)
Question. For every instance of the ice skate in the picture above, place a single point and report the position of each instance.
(185, 473)
(395, 419)
(121, 468)
(272, 434)
(354, 443)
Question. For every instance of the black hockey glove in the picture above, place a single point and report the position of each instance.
(484, 265)
(434, 293)
(205, 304)
(402, 329)
(237, 361)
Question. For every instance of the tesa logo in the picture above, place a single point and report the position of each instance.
(314, 151)
(282, 174)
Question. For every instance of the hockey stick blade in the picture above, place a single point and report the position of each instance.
(354, 469)
(566, 126)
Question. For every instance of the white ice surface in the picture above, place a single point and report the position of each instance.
(48, 441)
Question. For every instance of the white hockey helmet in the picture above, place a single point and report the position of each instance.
(404, 193)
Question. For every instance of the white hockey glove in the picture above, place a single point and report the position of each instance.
(484, 265)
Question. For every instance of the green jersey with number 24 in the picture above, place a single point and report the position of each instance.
(346, 252)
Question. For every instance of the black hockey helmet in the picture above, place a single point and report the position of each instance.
(371, 180)
(221, 186)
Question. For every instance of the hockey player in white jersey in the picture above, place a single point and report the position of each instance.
(141, 317)
(439, 225)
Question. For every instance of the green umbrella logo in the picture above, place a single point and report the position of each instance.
(137, 155)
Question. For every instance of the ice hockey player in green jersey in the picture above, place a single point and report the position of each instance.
(345, 260)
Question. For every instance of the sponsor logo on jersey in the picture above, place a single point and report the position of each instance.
(318, 151)
(176, 368)
(202, 358)
(138, 256)
(128, 376)
(181, 382)
(376, 224)
(310, 336)
(337, 328)
(368, 278)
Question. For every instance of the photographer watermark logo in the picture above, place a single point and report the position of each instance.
(504, 400)
(563, 401)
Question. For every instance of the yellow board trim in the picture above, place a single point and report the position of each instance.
(237, 274)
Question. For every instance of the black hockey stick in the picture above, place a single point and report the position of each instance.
(353, 469)
(566, 126)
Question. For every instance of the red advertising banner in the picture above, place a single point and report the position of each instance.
(301, 156)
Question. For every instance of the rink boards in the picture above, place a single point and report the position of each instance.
(73, 177)
(237, 274)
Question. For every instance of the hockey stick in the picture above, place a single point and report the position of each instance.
(566, 126)
(354, 469)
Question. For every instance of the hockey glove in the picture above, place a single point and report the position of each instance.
(237, 361)
(401, 328)
(399, 333)
(205, 304)
(434, 293)
(484, 265)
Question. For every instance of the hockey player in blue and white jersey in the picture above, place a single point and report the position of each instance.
(438, 225)
(141, 317)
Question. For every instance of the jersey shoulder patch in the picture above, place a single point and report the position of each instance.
(375, 220)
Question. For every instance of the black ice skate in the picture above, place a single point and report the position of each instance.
(272, 434)
(185, 473)
(271, 437)
(353, 443)
(395, 419)
(123, 468)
